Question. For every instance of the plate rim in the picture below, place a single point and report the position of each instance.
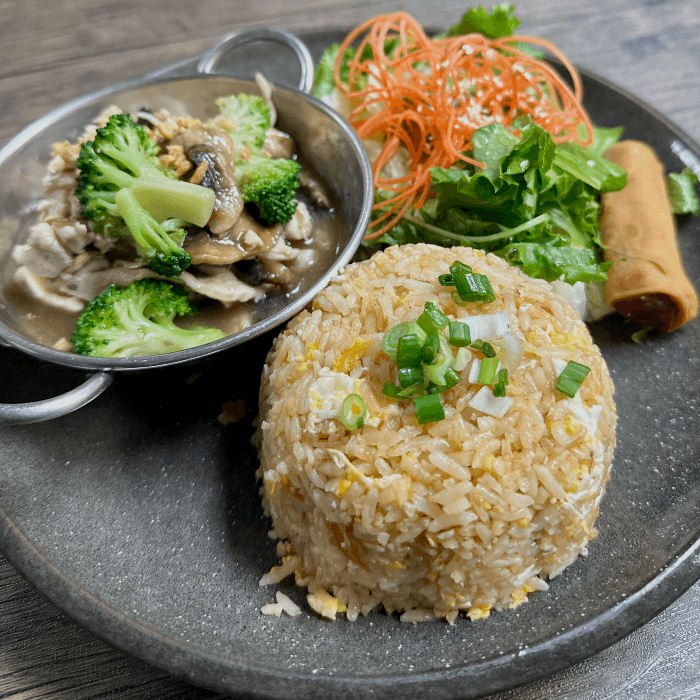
(203, 668)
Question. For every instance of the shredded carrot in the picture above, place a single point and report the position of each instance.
(430, 95)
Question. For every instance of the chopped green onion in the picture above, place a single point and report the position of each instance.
(478, 289)
(499, 388)
(459, 266)
(459, 334)
(452, 378)
(486, 348)
(571, 378)
(487, 370)
(425, 357)
(429, 408)
(431, 348)
(414, 390)
(432, 319)
(408, 351)
(353, 412)
(462, 284)
(408, 376)
(470, 286)
(391, 390)
(436, 372)
(390, 341)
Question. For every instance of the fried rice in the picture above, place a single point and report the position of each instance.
(470, 513)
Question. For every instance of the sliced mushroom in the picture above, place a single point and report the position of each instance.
(213, 146)
(219, 283)
(97, 274)
(278, 144)
(313, 190)
(246, 239)
(204, 248)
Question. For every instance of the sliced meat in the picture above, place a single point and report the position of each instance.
(43, 254)
(281, 251)
(39, 288)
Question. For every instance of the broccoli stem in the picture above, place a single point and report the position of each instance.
(163, 199)
(161, 248)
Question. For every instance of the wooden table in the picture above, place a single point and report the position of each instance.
(54, 51)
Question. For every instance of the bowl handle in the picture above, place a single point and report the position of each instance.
(209, 60)
(37, 411)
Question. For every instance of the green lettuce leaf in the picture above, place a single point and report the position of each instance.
(498, 23)
(552, 260)
(324, 83)
(604, 138)
(590, 167)
(681, 192)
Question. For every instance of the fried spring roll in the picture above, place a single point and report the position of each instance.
(650, 285)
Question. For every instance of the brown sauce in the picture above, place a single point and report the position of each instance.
(49, 326)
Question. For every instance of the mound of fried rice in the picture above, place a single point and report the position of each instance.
(470, 513)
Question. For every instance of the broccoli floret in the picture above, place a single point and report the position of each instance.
(160, 244)
(123, 158)
(100, 206)
(267, 183)
(137, 320)
(270, 184)
(250, 117)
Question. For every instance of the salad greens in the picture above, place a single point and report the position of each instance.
(534, 203)
(681, 192)
(500, 22)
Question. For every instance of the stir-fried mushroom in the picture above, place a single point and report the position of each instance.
(278, 144)
(204, 248)
(96, 274)
(313, 190)
(216, 282)
(213, 146)
(246, 239)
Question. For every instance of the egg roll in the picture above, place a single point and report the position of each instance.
(647, 282)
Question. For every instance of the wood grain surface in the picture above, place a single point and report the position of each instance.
(53, 51)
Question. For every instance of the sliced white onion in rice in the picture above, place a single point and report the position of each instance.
(474, 371)
(462, 359)
(486, 402)
(575, 294)
(487, 326)
(514, 351)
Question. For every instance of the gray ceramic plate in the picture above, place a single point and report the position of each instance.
(140, 517)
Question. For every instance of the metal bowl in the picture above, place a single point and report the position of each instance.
(324, 142)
